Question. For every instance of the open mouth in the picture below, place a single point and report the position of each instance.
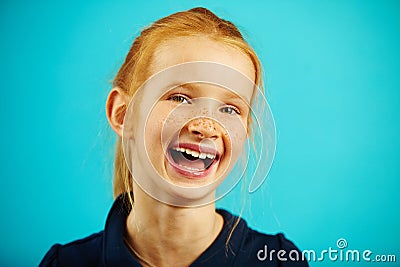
(192, 159)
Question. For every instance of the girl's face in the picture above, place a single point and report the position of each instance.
(195, 132)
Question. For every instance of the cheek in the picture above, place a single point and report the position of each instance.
(239, 140)
(153, 128)
(158, 129)
(235, 138)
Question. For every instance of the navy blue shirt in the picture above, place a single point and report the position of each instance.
(107, 248)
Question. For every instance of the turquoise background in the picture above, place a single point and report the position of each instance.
(332, 76)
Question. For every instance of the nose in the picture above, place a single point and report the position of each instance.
(204, 128)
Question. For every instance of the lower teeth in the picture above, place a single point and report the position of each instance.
(189, 168)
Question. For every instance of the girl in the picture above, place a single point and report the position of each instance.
(180, 105)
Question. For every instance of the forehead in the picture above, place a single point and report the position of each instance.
(199, 48)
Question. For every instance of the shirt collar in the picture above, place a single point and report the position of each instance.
(116, 252)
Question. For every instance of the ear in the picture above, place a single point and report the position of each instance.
(116, 105)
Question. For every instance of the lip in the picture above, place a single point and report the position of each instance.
(192, 173)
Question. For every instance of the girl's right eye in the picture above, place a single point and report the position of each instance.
(179, 98)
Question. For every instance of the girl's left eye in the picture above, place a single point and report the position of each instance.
(230, 110)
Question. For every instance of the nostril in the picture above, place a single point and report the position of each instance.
(197, 133)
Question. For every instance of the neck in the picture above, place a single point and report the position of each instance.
(165, 235)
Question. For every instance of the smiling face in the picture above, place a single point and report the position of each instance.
(190, 130)
(186, 126)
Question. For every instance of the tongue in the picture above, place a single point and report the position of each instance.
(194, 164)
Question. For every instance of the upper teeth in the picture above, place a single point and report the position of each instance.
(194, 153)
